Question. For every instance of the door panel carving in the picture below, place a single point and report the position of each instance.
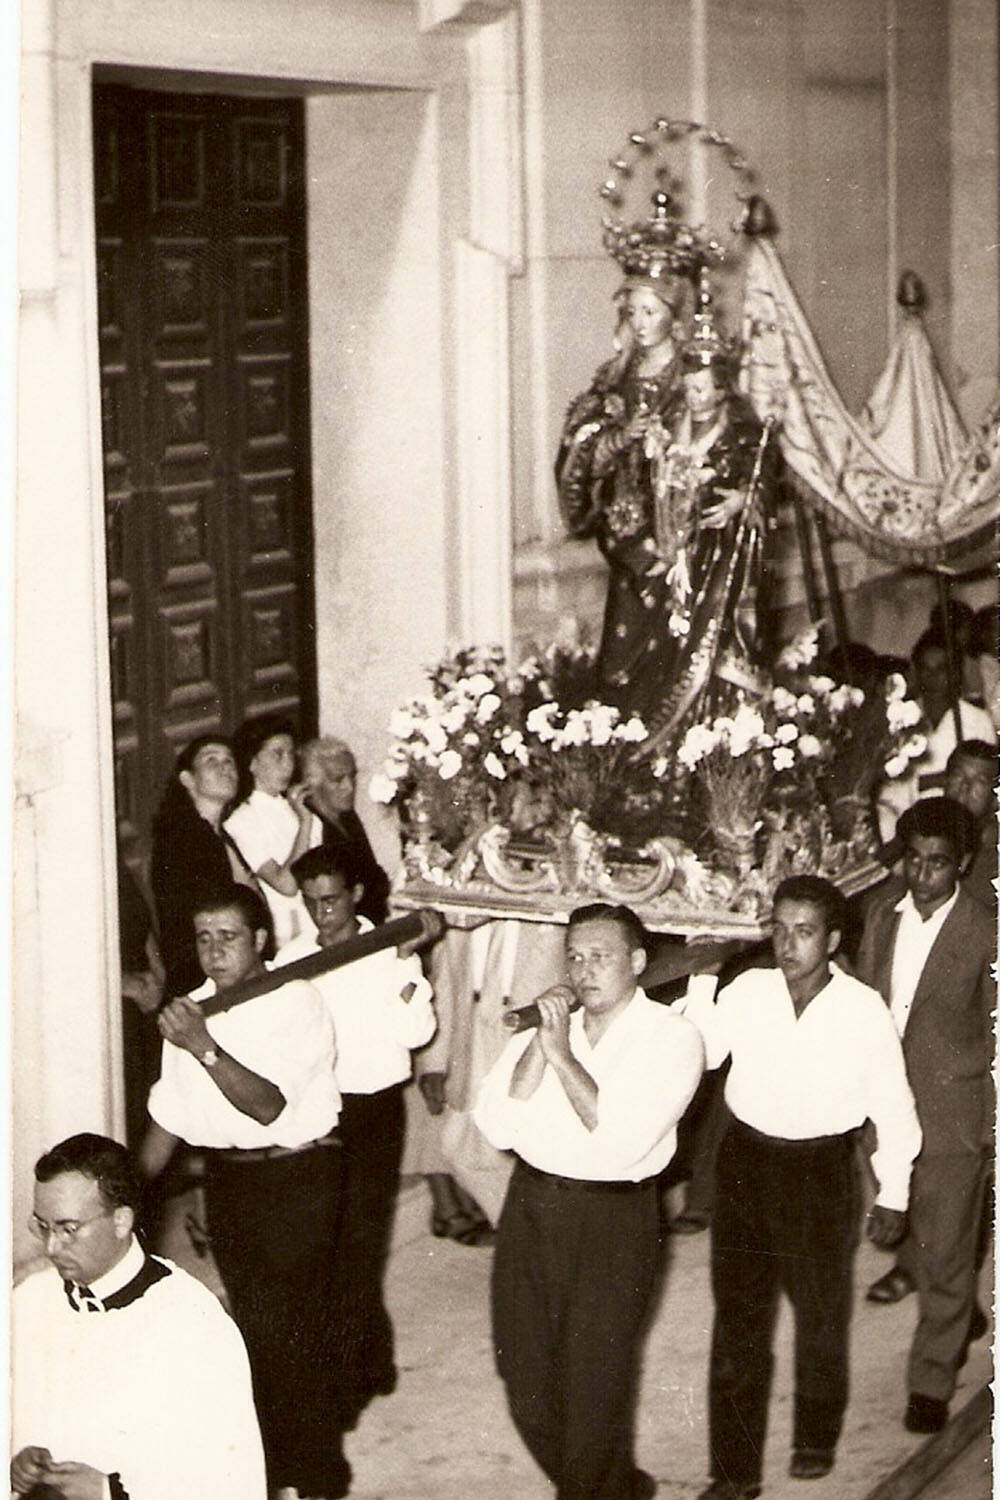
(203, 338)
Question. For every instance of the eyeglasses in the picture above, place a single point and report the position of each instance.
(65, 1230)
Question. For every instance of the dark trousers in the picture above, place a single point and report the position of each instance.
(372, 1128)
(573, 1274)
(786, 1219)
(273, 1226)
(943, 1254)
(710, 1125)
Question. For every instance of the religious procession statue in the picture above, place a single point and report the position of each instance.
(693, 763)
(668, 468)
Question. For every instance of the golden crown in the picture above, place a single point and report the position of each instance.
(664, 245)
(661, 246)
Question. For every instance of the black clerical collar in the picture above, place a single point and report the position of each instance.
(108, 1294)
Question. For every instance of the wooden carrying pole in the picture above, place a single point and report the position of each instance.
(424, 925)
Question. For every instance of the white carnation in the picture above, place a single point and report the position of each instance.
(449, 765)
(494, 767)
(783, 758)
(402, 724)
(786, 734)
(810, 747)
(633, 731)
(801, 650)
(902, 713)
(435, 737)
(745, 729)
(382, 788)
(488, 705)
(700, 740)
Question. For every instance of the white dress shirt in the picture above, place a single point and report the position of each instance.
(264, 828)
(157, 1391)
(822, 1073)
(374, 1027)
(646, 1066)
(915, 937)
(285, 1037)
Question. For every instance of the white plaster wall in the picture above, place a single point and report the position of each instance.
(64, 1031)
(65, 1003)
(975, 203)
(383, 589)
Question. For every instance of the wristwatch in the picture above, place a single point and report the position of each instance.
(209, 1058)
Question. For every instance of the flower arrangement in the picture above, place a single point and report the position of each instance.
(493, 762)
(801, 763)
(528, 748)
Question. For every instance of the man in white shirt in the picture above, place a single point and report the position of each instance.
(932, 690)
(930, 955)
(129, 1381)
(590, 1102)
(814, 1055)
(253, 1086)
(381, 1009)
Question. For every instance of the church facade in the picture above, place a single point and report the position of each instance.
(450, 296)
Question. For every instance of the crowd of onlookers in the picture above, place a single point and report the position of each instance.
(286, 1097)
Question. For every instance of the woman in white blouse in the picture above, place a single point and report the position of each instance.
(272, 826)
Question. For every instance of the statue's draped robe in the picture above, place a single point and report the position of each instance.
(671, 662)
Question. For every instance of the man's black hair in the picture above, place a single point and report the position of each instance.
(187, 757)
(939, 818)
(623, 916)
(244, 898)
(973, 750)
(324, 860)
(930, 640)
(95, 1156)
(815, 891)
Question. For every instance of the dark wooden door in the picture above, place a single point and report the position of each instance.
(200, 209)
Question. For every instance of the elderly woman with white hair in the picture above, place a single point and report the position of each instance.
(330, 774)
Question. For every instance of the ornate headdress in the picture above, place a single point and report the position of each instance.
(707, 347)
(657, 250)
(662, 251)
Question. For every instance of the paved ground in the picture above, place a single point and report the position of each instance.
(970, 1477)
(445, 1433)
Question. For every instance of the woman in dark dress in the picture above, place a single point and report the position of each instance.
(192, 855)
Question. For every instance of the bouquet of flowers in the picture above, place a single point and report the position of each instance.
(731, 764)
(456, 750)
(527, 748)
(835, 741)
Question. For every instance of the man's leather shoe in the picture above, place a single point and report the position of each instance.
(925, 1413)
(643, 1485)
(725, 1489)
(892, 1287)
(811, 1463)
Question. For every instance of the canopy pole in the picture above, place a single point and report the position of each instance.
(944, 604)
(834, 595)
(813, 603)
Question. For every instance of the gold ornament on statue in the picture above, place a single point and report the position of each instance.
(663, 246)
